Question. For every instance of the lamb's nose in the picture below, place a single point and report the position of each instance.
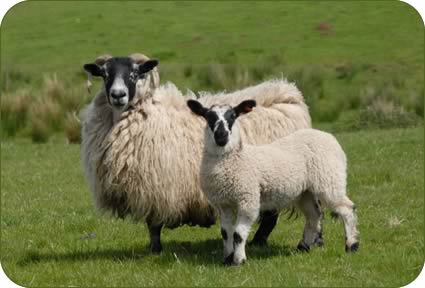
(117, 94)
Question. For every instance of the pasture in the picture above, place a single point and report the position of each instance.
(52, 235)
(360, 66)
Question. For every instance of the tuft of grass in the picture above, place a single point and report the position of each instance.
(53, 89)
(40, 131)
(72, 128)
(46, 117)
(380, 114)
(14, 111)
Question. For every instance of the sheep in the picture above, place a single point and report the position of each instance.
(240, 180)
(142, 156)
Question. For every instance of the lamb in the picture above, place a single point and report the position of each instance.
(240, 180)
(141, 146)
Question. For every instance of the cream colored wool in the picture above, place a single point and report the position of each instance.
(147, 164)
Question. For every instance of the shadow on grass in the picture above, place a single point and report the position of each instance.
(207, 252)
(94, 254)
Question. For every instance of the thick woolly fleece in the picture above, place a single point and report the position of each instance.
(148, 163)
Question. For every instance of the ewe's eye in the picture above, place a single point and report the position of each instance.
(133, 76)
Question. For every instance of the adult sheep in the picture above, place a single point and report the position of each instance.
(142, 147)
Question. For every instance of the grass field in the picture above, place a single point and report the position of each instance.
(359, 64)
(343, 56)
(52, 235)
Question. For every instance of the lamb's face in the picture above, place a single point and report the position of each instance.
(221, 120)
(120, 75)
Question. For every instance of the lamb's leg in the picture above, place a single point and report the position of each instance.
(268, 220)
(155, 236)
(346, 210)
(226, 219)
(244, 221)
(313, 214)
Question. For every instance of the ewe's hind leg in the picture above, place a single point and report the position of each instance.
(309, 206)
(244, 221)
(268, 220)
(346, 210)
(226, 218)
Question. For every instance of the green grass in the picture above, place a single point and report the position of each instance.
(52, 236)
(359, 59)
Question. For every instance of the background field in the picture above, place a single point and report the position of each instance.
(360, 66)
(352, 60)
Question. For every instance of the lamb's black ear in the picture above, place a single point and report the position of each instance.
(148, 66)
(197, 107)
(94, 69)
(245, 107)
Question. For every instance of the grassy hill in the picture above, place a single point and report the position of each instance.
(345, 57)
(60, 36)
(53, 236)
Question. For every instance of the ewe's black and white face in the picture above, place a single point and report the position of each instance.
(120, 75)
(220, 119)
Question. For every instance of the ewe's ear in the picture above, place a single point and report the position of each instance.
(148, 66)
(197, 107)
(94, 69)
(245, 107)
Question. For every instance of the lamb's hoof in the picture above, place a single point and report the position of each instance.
(319, 240)
(258, 242)
(229, 259)
(353, 248)
(303, 247)
(156, 248)
(238, 263)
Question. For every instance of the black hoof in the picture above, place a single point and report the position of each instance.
(352, 248)
(156, 249)
(302, 246)
(228, 260)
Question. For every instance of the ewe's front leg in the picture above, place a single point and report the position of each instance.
(226, 218)
(155, 236)
(244, 221)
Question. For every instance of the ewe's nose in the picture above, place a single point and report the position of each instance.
(117, 94)
(221, 134)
